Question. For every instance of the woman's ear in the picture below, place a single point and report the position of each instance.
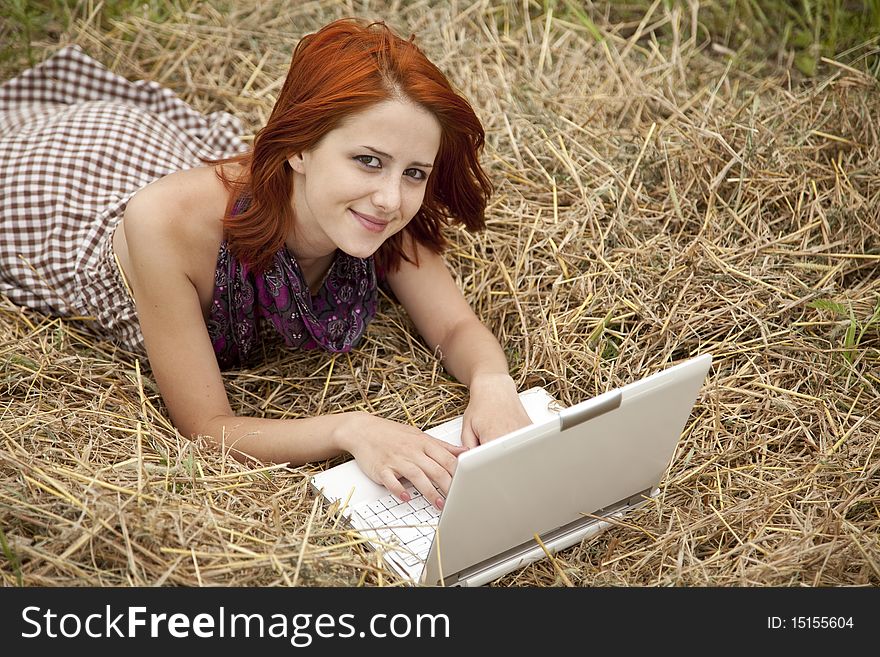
(296, 162)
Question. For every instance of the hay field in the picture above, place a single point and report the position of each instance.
(658, 196)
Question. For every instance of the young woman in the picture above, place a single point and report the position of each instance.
(117, 203)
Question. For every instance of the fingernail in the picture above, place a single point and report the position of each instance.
(439, 503)
(405, 497)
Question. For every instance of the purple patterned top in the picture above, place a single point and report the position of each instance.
(334, 319)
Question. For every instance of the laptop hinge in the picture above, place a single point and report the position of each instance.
(626, 503)
(571, 417)
(452, 580)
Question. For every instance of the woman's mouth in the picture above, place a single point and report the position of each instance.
(372, 224)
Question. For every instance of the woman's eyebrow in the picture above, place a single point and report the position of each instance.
(391, 157)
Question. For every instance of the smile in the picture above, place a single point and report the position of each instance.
(372, 224)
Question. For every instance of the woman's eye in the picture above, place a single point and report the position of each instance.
(415, 174)
(369, 160)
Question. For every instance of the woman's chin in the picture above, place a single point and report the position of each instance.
(359, 250)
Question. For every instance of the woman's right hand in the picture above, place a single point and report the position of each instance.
(388, 451)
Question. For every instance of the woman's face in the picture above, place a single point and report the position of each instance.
(364, 181)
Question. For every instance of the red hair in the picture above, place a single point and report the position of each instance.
(344, 68)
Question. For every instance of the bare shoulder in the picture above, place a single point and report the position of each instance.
(171, 231)
(186, 207)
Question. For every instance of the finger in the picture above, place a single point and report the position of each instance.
(440, 474)
(468, 437)
(394, 486)
(445, 458)
(455, 450)
(426, 486)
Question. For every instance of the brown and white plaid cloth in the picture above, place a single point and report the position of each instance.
(76, 142)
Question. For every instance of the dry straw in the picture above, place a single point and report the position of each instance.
(655, 200)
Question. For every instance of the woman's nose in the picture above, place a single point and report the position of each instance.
(386, 197)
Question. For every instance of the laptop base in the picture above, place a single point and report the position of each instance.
(522, 555)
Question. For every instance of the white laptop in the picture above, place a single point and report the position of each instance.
(533, 492)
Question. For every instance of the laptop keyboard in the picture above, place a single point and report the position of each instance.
(405, 528)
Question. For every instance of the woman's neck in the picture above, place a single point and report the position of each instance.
(314, 270)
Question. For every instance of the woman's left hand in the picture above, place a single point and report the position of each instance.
(494, 410)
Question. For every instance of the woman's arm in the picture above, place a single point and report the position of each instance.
(466, 347)
(182, 360)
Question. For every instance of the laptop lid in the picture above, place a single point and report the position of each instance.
(553, 473)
